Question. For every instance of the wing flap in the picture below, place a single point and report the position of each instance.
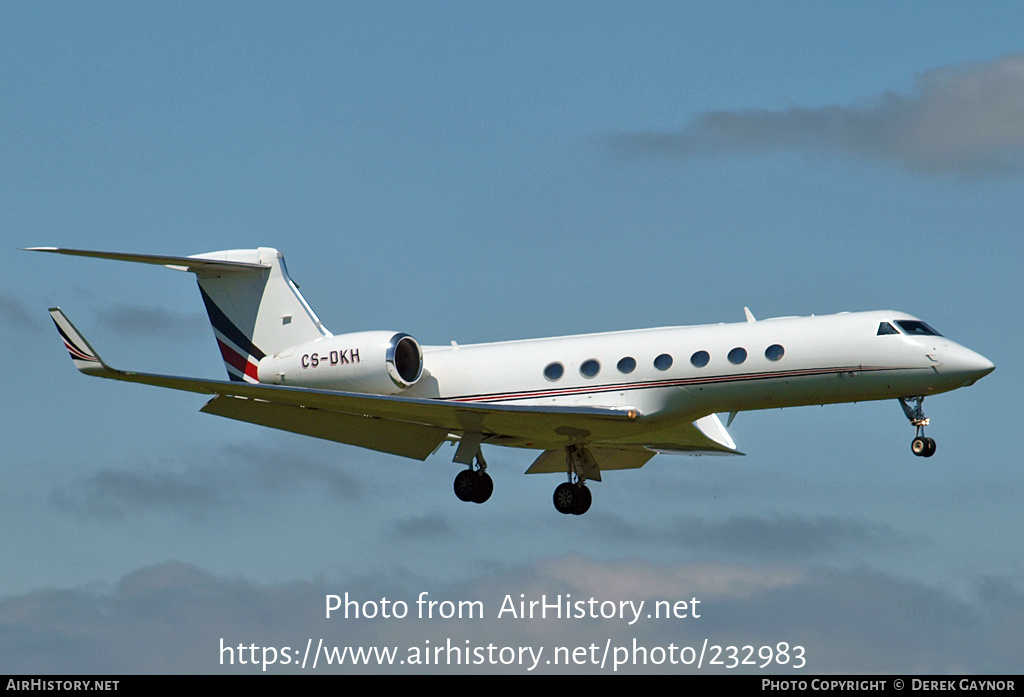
(559, 424)
(552, 461)
(396, 437)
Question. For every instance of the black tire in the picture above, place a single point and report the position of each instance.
(919, 446)
(565, 497)
(483, 487)
(581, 504)
(929, 448)
(466, 485)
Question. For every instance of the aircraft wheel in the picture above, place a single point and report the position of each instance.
(565, 497)
(465, 485)
(919, 446)
(581, 502)
(483, 486)
(929, 447)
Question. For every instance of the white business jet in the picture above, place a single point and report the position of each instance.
(590, 403)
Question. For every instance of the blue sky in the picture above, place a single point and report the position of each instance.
(484, 171)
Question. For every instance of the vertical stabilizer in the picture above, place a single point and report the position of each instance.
(255, 310)
(254, 306)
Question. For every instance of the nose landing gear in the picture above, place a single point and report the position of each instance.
(924, 447)
(920, 446)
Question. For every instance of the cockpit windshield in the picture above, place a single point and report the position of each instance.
(916, 327)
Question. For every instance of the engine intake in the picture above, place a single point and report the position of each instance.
(404, 360)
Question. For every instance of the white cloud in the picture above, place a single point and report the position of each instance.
(171, 618)
(236, 475)
(966, 119)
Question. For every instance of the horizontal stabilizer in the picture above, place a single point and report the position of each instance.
(195, 264)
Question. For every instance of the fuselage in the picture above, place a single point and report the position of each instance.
(693, 371)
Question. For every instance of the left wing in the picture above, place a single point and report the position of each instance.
(428, 422)
(412, 427)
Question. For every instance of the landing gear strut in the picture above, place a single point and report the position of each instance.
(920, 446)
(474, 484)
(573, 496)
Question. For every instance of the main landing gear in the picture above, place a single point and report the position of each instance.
(920, 446)
(474, 484)
(573, 496)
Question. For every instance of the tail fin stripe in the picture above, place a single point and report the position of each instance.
(240, 355)
(227, 328)
(244, 369)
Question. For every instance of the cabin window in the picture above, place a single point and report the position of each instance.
(626, 365)
(700, 359)
(554, 371)
(774, 352)
(737, 355)
(916, 327)
(590, 368)
(886, 328)
(663, 362)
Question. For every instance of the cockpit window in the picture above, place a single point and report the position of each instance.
(886, 328)
(916, 327)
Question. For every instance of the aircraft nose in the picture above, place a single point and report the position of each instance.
(968, 364)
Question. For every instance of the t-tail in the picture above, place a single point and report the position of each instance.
(254, 306)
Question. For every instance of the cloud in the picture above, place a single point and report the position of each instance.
(239, 477)
(13, 312)
(760, 537)
(784, 536)
(422, 527)
(176, 618)
(133, 320)
(966, 119)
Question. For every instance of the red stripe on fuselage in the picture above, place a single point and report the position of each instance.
(671, 382)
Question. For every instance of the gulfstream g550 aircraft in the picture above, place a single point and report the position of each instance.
(590, 403)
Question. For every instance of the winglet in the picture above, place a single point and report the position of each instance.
(750, 315)
(83, 355)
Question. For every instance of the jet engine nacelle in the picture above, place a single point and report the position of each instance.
(367, 362)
